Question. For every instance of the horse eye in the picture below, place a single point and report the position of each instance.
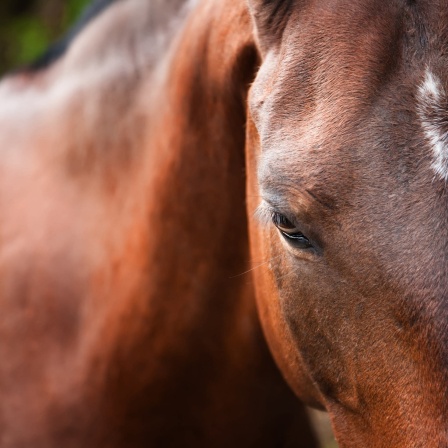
(282, 222)
(290, 232)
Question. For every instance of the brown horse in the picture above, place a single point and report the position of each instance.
(349, 131)
(125, 319)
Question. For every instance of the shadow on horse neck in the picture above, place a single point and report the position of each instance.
(126, 320)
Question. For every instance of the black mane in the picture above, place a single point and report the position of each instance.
(58, 49)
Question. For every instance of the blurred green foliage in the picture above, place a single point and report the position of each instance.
(28, 27)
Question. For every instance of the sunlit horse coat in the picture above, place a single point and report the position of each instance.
(136, 167)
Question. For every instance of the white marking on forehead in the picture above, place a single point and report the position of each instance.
(431, 85)
(433, 114)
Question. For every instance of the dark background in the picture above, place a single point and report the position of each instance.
(28, 27)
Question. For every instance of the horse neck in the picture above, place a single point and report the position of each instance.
(195, 332)
(150, 331)
(195, 143)
(194, 226)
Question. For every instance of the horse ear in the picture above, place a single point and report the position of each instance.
(270, 17)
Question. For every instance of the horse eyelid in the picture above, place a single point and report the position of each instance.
(263, 214)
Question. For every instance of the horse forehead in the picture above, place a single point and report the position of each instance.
(312, 90)
(329, 60)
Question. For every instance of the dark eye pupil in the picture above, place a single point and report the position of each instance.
(290, 232)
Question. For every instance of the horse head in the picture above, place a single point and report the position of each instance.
(348, 154)
(129, 175)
